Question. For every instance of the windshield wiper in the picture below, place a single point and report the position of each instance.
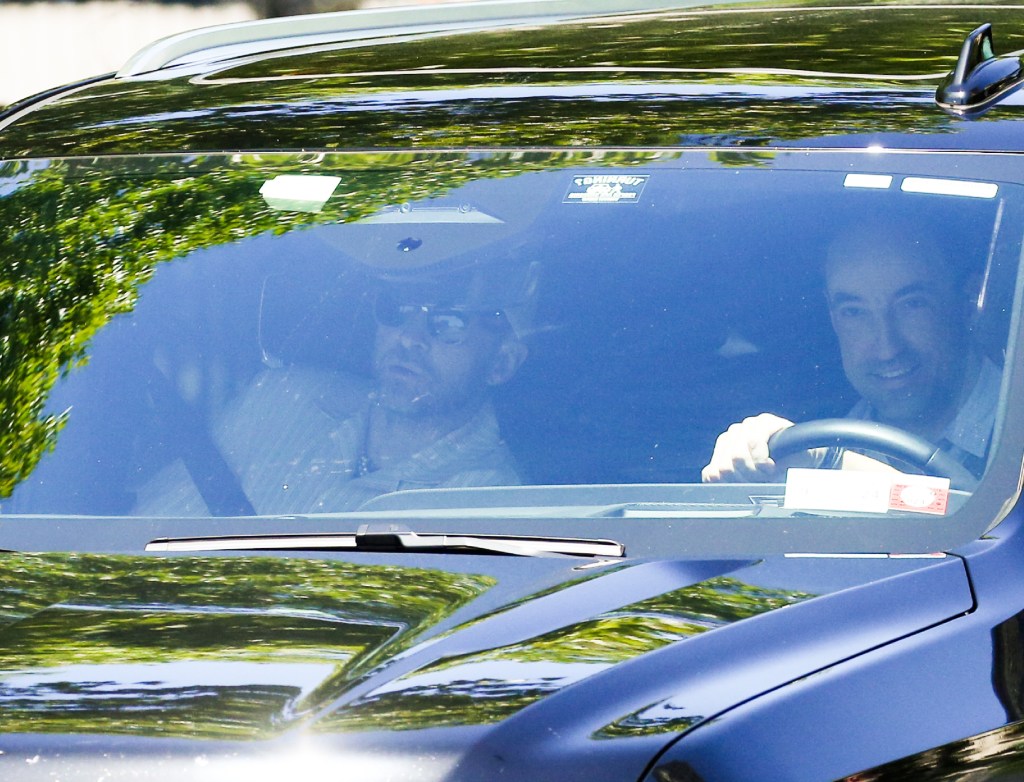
(388, 538)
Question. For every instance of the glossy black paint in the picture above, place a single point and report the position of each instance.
(947, 701)
(475, 668)
(653, 80)
(522, 670)
(980, 78)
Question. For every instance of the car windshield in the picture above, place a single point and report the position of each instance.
(297, 334)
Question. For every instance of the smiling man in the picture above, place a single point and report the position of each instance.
(902, 314)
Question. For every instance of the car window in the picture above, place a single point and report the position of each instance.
(291, 334)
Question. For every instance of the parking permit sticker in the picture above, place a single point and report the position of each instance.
(606, 189)
(923, 494)
(865, 492)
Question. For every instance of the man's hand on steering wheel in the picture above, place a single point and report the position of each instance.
(762, 448)
(741, 453)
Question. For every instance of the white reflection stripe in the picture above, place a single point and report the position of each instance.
(953, 187)
(936, 555)
(874, 181)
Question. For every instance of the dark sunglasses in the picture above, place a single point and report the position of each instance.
(445, 324)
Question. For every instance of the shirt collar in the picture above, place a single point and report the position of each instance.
(971, 429)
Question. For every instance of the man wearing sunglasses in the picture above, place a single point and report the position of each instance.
(299, 442)
(436, 360)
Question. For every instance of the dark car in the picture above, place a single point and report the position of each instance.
(520, 390)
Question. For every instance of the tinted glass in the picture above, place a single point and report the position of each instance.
(286, 335)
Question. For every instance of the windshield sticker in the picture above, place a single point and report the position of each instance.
(606, 189)
(865, 492)
(922, 494)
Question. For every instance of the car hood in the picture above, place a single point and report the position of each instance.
(156, 667)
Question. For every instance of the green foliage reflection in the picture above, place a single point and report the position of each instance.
(996, 756)
(80, 238)
(423, 94)
(76, 247)
(215, 647)
(460, 691)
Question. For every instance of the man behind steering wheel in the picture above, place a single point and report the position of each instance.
(902, 314)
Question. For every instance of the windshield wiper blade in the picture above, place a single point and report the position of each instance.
(389, 538)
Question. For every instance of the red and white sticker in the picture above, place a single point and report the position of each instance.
(865, 492)
(930, 495)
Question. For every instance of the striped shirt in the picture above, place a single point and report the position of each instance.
(295, 440)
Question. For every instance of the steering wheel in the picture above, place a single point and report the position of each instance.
(881, 438)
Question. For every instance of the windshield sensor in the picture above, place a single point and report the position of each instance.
(397, 538)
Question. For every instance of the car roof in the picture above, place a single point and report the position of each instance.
(212, 44)
(537, 74)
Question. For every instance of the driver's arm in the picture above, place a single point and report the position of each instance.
(741, 453)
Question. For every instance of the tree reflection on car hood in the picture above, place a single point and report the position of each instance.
(212, 650)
